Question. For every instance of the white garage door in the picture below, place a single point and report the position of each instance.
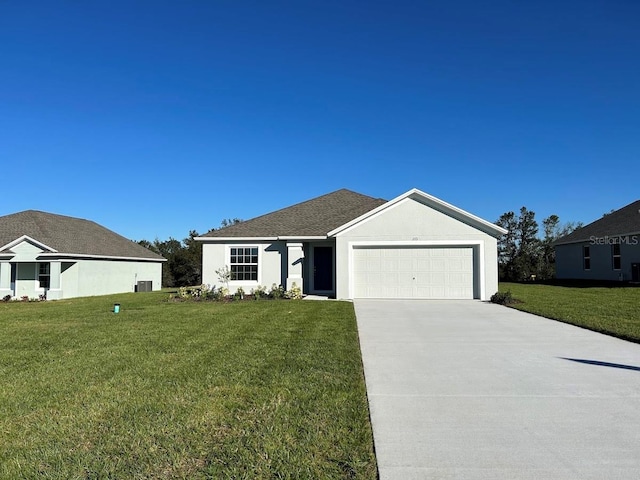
(413, 272)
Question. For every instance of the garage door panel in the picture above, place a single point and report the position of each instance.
(424, 272)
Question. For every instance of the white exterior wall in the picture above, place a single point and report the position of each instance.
(570, 261)
(410, 222)
(26, 283)
(86, 278)
(81, 277)
(272, 258)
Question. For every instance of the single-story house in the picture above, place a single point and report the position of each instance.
(63, 257)
(607, 249)
(348, 245)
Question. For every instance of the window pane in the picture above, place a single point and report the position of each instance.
(616, 249)
(586, 251)
(254, 251)
(234, 251)
(616, 263)
(587, 263)
(254, 259)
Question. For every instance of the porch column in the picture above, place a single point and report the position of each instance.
(5, 279)
(295, 259)
(55, 270)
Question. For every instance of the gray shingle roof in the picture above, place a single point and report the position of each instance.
(70, 235)
(315, 217)
(624, 221)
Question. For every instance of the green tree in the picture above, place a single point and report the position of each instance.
(518, 249)
(184, 258)
(521, 253)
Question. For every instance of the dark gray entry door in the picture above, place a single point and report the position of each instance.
(323, 268)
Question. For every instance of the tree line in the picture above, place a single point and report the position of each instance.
(184, 257)
(525, 253)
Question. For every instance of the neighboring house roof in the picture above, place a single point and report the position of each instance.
(315, 217)
(624, 221)
(67, 235)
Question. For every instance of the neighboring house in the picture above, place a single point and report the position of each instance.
(607, 249)
(347, 245)
(63, 257)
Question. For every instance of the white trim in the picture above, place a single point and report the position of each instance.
(414, 192)
(302, 237)
(27, 238)
(261, 239)
(241, 283)
(234, 239)
(294, 244)
(81, 256)
(479, 244)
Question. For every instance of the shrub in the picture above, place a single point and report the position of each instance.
(502, 298)
(295, 293)
(239, 295)
(6, 298)
(276, 292)
(259, 292)
(219, 294)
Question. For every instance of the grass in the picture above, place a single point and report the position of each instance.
(614, 311)
(182, 390)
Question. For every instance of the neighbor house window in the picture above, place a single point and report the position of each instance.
(244, 263)
(586, 257)
(44, 275)
(615, 256)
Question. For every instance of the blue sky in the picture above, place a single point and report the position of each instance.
(155, 118)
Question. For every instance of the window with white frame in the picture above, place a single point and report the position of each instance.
(615, 256)
(586, 257)
(44, 275)
(244, 263)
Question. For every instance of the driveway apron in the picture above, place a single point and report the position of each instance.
(472, 390)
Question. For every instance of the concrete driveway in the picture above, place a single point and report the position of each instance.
(471, 390)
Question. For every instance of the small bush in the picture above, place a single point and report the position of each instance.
(502, 298)
(276, 292)
(239, 295)
(295, 293)
(6, 298)
(259, 292)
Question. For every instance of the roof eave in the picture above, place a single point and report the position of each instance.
(258, 239)
(229, 239)
(84, 256)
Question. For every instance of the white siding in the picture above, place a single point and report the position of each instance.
(411, 222)
(85, 278)
(272, 258)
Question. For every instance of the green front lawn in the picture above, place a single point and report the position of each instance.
(614, 311)
(269, 389)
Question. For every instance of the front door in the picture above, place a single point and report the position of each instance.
(323, 268)
(635, 272)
